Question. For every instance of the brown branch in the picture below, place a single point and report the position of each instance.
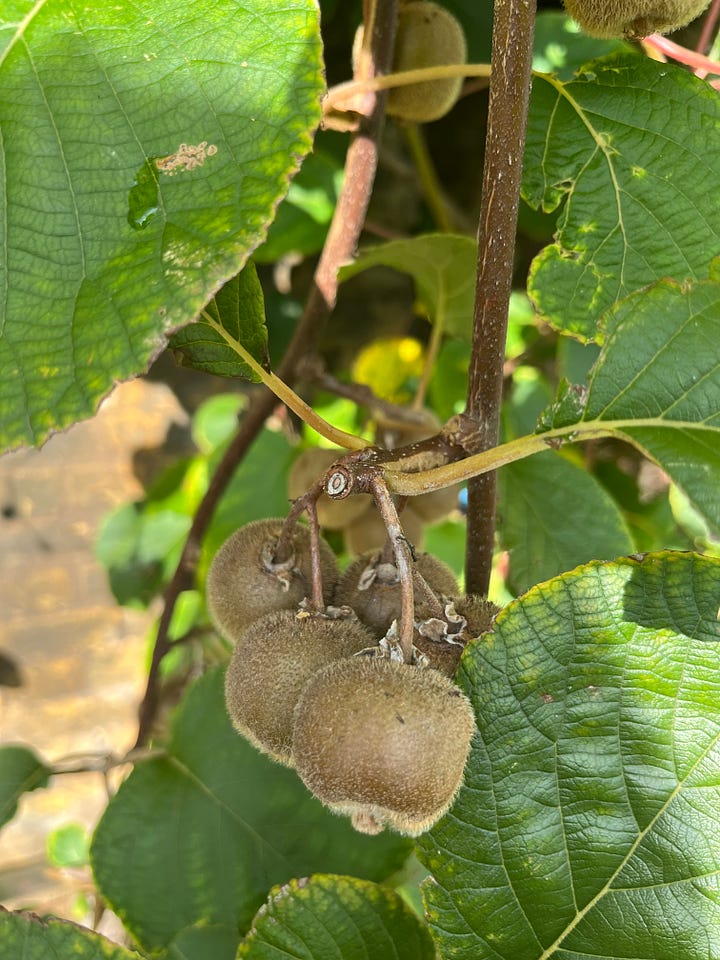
(340, 245)
(509, 100)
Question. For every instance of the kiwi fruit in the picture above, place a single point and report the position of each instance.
(368, 532)
(633, 18)
(245, 581)
(372, 588)
(427, 35)
(384, 742)
(333, 514)
(270, 664)
(434, 506)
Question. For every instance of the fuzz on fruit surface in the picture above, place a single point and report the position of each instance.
(272, 661)
(427, 35)
(246, 581)
(384, 742)
(633, 18)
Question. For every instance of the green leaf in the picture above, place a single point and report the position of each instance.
(336, 918)
(21, 771)
(589, 823)
(68, 846)
(205, 943)
(304, 216)
(28, 937)
(554, 515)
(143, 155)
(660, 367)
(208, 829)
(561, 47)
(443, 268)
(629, 147)
(235, 315)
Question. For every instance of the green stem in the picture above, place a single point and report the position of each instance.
(460, 471)
(286, 394)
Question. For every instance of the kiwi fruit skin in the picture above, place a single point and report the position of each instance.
(380, 604)
(368, 532)
(270, 664)
(305, 470)
(633, 18)
(384, 742)
(240, 588)
(427, 35)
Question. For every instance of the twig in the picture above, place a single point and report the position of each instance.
(403, 562)
(340, 244)
(509, 100)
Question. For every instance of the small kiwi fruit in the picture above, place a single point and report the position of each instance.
(271, 662)
(372, 588)
(368, 532)
(333, 514)
(427, 35)
(245, 581)
(633, 18)
(382, 741)
(434, 506)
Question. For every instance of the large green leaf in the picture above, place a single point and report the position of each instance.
(589, 824)
(27, 937)
(202, 834)
(443, 268)
(630, 147)
(236, 314)
(336, 918)
(143, 151)
(554, 515)
(21, 771)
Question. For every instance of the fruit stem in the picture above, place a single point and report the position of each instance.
(429, 596)
(318, 600)
(403, 562)
(510, 78)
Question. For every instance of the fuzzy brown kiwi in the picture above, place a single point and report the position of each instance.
(372, 589)
(443, 643)
(434, 506)
(383, 742)
(427, 35)
(633, 18)
(272, 661)
(368, 532)
(244, 582)
(333, 514)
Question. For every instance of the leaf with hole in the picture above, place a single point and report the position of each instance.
(143, 155)
(626, 150)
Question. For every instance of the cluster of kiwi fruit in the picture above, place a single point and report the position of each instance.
(321, 687)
